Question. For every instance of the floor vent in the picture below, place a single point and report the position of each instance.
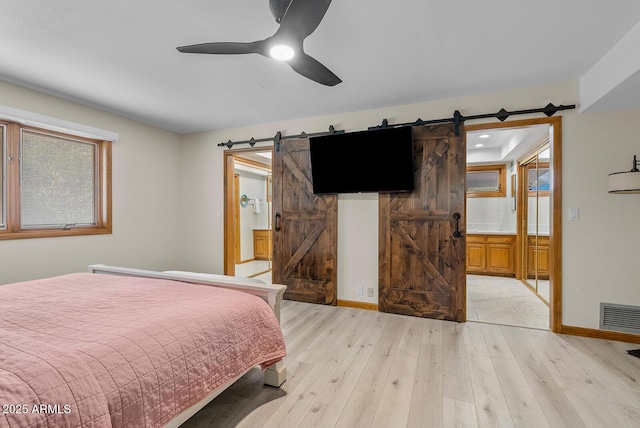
(623, 318)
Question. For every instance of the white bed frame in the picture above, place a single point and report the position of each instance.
(274, 375)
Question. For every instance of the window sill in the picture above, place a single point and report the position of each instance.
(53, 233)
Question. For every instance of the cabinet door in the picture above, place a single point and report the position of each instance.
(500, 258)
(261, 244)
(543, 262)
(538, 257)
(475, 257)
(543, 257)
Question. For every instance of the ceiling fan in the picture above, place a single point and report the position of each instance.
(297, 19)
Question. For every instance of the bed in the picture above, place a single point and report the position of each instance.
(118, 347)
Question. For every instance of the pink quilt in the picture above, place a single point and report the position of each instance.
(90, 350)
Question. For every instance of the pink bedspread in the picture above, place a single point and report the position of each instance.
(92, 350)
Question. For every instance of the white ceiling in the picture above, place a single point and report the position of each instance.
(120, 56)
(503, 145)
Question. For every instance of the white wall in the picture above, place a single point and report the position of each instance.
(146, 181)
(358, 246)
(254, 187)
(492, 214)
(599, 251)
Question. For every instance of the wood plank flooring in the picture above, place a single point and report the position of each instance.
(356, 368)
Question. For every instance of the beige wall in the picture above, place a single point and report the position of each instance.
(599, 253)
(168, 197)
(146, 182)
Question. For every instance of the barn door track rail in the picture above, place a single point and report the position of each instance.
(279, 137)
(457, 119)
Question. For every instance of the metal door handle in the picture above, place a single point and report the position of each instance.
(278, 217)
(456, 233)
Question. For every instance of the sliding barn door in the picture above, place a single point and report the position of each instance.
(422, 261)
(305, 233)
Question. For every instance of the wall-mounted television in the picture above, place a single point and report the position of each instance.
(363, 162)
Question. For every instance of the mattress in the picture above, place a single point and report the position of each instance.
(92, 350)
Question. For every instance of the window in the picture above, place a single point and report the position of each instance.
(487, 181)
(53, 184)
(539, 178)
(3, 180)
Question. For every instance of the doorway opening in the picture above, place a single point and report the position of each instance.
(514, 225)
(248, 213)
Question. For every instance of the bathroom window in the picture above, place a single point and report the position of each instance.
(487, 181)
(539, 179)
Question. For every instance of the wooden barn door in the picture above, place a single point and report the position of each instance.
(305, 231)
(422, 264)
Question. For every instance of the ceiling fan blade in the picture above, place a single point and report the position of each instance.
(224, 48)
(303, 17)
(313, 69)
(278, 8)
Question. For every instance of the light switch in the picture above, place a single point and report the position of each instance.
(573, 214)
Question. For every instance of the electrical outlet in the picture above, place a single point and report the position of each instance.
(360, 290)
(370, 292)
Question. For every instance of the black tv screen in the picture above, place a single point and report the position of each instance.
(367, 161)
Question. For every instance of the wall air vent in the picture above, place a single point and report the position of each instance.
(623, 318)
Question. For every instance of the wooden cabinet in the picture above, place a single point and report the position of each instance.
(476, 254)
(491, 254)
(538, 257)
(262, 247)
(501, 252)
(496, 255)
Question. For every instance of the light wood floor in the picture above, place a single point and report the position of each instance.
(356, 368)
(490, 299)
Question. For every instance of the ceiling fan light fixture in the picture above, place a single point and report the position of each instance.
(281, 52)
(298, 19)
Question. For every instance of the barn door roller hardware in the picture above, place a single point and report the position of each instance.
(279, 137)
(459, 119)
